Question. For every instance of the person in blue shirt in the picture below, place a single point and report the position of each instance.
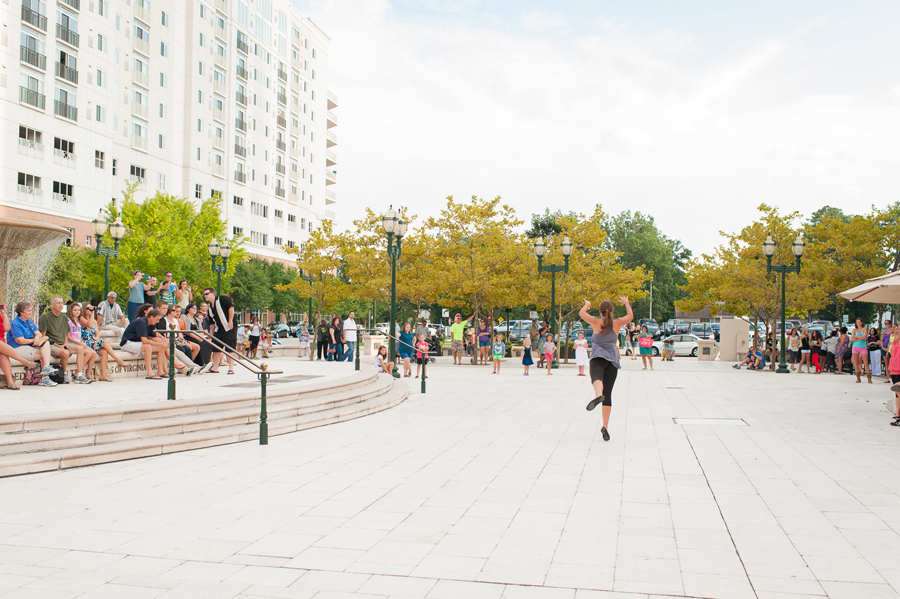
(499, 351)
(28, 342)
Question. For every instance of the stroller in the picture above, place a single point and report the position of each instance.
(434, 347)
(470, 350)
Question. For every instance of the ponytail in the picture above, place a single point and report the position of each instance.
(606, 313)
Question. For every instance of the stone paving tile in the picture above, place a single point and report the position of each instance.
(505, 493)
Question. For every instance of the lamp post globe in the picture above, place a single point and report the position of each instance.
(225, 252)
(117, 230)
(213, 249)
(100, 225)
(539, 248)
(566, 246)
(798, 246)
(768, 247)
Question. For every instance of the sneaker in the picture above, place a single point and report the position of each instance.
(80, 378)
(605, 433)
(206, 368)
(46, 382)
(49, 371)
(737, 366)
(894, 423)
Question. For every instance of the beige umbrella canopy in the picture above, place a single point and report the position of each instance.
(880, 290)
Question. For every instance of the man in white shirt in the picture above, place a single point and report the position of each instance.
(350, 330)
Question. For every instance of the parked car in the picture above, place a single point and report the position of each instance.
(703, 330)
(382, 327)
(685, 345)
(279, 329)
(576, 326)
(676, 326)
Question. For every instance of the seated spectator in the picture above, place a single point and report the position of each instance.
(143, 309)
(140, 338)
(195, 322)
(266, 344)
(26, 341)
(754, 360)
(91, 336)
(184, 363)
(110, 316)
(182, 344)
(7, 352)
(382, 365)
(56, 325)
(74, 339)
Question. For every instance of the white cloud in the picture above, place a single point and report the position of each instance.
(547, 118)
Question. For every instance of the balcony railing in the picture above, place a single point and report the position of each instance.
(295, 131)
(241, 72)
(67, 111)
(282, 99)
(243, 46)
(240, 124)
(219, 114)
(331, 119)
(67, 35)
(31, 194)
(65, 202)
(280, 169)
(240, 177)
(293, 199)
(32, 17)
(282, 74)
(76, 4)
(222, 5)
(219, 141)
(220, 32)
(29, 96)
(141, 13)
(141, 110)
(330, 158)
(282, 122)
(64, 155)
(33, 57)
(218, 170)
(240, 98)
(219, 86)
(142, 46)
(332, 100)
(30, 144)
(139, 142)
(330, 176)
(279, 191)
(331, 139)
(330, 197)
(280, 145)
(140, 77)
(240, 150)
(67, 73)
(219, 59)
(330, 215)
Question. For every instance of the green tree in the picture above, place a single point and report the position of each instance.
(251, 285)
(282, 301)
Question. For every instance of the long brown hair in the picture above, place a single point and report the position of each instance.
(606, 313)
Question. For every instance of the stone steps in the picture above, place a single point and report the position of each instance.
(51, 441)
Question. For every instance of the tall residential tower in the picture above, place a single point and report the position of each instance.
(192, 97)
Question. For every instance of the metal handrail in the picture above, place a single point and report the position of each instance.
(262, 371)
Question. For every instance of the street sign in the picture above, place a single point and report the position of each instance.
(532, 315)
(500, 320)
(445, 313)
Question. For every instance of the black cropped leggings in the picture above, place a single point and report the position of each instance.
(605, 371)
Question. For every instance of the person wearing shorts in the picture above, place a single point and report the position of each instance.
(457, 330)
(604, 363)
(646, 352)
(860, 351)
(894, 369)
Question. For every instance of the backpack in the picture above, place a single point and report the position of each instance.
(60, 377)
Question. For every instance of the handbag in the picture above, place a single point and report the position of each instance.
(32, 375)
(646, 342)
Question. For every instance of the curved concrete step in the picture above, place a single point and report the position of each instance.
(96, 441)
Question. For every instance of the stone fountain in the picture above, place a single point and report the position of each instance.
(36, 244)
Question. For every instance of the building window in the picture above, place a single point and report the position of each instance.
(101, 43)
(99, 158)
(63, 191)
(162, 182)
(162, 142)
(291, 244)
(101, 78)
(162, 111)
(202, 40)
(198, 153)
(103, 8)
(198, 191)
(235, 231)
(279, 215)
(259, 209)
(163, 80)
(238, 201)
(100, 113)
(137, 172)
(292, 218)
(29, 182)
(200, 94)
(199, 126)
(277, 241)
(115, 163)
(30, 138)
(163, 50)
(63, 147)
(164, 19)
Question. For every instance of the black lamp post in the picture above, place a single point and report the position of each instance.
(393, 227)
(224, 251)
(769, 250)
(540, 250)
(117, 231)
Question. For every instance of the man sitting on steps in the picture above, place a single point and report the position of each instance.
(140, 337)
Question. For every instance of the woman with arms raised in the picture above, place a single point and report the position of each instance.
(604, 364)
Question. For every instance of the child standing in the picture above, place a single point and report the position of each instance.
(499, 352)
(526, 356)
(421, 356)
(581, 358)
(549, 352)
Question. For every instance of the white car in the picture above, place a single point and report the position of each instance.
(685, 345)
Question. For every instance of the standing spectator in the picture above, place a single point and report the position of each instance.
(221, 310)
(886, 347)
(74, 339)
(136, 294)
(303, 334)
(815, 349)
(499, 351)
(91, 336)
(805, 351)
(29, 343)
(793, 347)
(406, 348)
(548, 350)
(483, 334)
(322, 337)
(633, 338)
(860, 355)
(527, 361)
(350, 334)
(457, 331)
(422, 329)
(843, 341)
(645, 341)
(334, 340)
(167, 290)
(57, 326)
(534, 333)
(150, 292)
(111, 318)
(581, 357)
(421, 356)
(183, 294)
(830, 345)
(542, 337)
(140, 338)
(254, 333)
(874, 346)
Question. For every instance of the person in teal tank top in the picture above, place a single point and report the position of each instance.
(858, 346)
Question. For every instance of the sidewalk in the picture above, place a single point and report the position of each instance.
(496, 486)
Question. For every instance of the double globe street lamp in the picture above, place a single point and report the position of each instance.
(394, 226)
(540, 250)
(117, 231)
(769, 250)
(224, 251)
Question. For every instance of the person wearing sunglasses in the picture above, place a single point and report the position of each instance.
(221, 313)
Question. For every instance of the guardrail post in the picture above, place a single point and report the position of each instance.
(171, 393)
(263, 416)
(424, 366)
(358, 341)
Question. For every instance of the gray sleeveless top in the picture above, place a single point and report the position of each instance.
(605, 345)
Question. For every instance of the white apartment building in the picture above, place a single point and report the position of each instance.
(192, 97)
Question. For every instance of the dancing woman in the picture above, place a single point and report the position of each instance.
(604, 354)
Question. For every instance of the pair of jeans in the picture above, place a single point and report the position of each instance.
(132, 310)
(351, 348)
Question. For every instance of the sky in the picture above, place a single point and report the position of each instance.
(694, 112)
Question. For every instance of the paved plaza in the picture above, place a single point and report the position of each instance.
(494, 487)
